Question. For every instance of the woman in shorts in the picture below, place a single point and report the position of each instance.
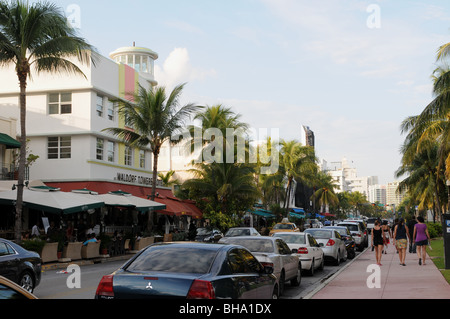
(377, 241)
(421, 237)
(401, 237)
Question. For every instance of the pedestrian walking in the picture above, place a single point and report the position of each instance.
(421, 238)
(401, 237)
(377, 241)
(411, 223)
(386, 235)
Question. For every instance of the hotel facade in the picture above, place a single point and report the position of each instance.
(67, 115)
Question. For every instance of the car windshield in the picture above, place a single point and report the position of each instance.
(283, 226)
(321, 233)
(351, 227)
(174, 259)
(341, 231)
(255, 245)
(291, 238)
(238, 232)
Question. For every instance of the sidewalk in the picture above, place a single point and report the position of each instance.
(397, 282)
(82, 262)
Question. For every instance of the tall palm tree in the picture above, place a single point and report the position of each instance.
(152, 118)
(36, 37)
(297, 162)
(325, 195)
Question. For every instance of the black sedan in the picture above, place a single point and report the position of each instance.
(190, 270)
(20, 265)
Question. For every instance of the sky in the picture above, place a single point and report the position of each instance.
(351, 70)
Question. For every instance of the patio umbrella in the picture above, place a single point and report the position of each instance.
(51, 200)
(123, 199)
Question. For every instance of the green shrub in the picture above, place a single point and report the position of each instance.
(34, 245)
(434, 229)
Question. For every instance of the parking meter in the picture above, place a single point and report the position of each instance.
(446, 236)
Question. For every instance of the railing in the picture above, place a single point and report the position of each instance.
(9, 172)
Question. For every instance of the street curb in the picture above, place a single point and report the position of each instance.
(326, 282)
(83, 262)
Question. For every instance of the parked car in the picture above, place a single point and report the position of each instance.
(331, 243)
(363, 227)
(307, 248)
(12, 291)
(242, 231)
(274, 252)
(357, 233)
(350, 244)
(314, 222)
(284, 226)
(20, 265)
(190, 270)
(208, 234)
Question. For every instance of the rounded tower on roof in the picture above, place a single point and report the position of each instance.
(139, 58)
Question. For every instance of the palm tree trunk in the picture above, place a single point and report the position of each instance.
(23, 139)
(154, 179)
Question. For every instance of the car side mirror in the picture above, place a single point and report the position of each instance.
(294, 251)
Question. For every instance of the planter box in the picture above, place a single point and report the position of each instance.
(91, 250)
(49, 252)
(73, 251)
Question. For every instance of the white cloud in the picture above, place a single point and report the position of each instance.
(177, 69)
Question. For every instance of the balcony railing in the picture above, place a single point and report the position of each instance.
(9, 172)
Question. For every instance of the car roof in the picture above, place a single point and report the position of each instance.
(251, 237)
(348, 222)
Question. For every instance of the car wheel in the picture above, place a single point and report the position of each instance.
(26, 281)
(296, 281)
(281, 283)
(337, 261)
(311, 270)
(275, 292)
(322, 263)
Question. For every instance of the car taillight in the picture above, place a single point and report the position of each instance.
(331, 242)
(105, 288)
(266, 264)
(358, 235)
(302, 250)
(201, 289)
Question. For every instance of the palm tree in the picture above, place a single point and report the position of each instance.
(167, 179)
(36, 36)
(297, 162)
(325, 194)
(152, 118)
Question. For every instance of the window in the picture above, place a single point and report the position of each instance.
(60, 103)
(6, 250)
(142, 159)
(110, 110)
(110, 151)
(99, 105)
(59, 147)
(99, 148)
(128, 156)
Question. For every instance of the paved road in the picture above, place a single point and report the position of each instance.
(54, 282)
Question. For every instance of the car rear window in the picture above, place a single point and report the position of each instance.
(174, 259)
(254, 245)
(283, 226)
(321, 234)
(350, 227)
(238, 232)
(292, 239)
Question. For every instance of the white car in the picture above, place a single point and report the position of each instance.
(307, 249)
(274, 252)
(242, 231)
(332, 244)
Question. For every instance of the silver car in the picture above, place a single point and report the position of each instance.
(242, 231)
(332, 244)
(274, 252)
(357, 233)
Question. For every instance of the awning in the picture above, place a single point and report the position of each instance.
(298, 210)
(262, 213)
(123, 199)
(51, 201)
(295, 215)
(9, 141)
(177, 207)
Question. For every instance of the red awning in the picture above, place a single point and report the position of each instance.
(178, 207)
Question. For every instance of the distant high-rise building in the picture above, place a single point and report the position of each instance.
(307, 136)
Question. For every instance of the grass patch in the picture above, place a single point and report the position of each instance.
(437, 256)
